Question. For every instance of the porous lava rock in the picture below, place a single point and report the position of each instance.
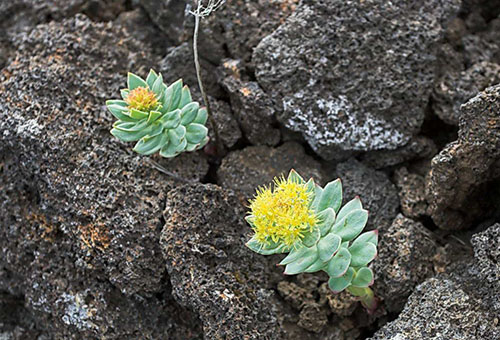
(460, 173)
(80, 213)
(354, 75)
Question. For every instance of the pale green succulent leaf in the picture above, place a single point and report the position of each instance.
(120, 113)
(310, 185)
(177, 135)
(151, 78)
(331, 197)
(362, 253)
(351, 225)
(137, 114)
(316, 266)
(328, 246)
(153, 116)
(134, 126)
(185, 97)
(201, 117)
(189, 112)
(311, 237)
(265, 249)
(363, 278)
(124, 93)
(295, 254)
(338, 284)
(171, 120)
(339, 264)
(326, 219)
(302, 263)
(149, 145)
(318, 191)
(158, 86)
(195, 133)
(128, 136)
(353, 204)
(134, 81)
(294, 177)
(369, 236)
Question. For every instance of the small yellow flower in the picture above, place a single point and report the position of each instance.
(142, 99)
(282, 215)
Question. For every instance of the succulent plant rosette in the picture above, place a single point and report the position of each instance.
(159, 118)
(307, 222)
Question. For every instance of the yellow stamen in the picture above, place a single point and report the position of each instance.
(142, 99)
(283, 214)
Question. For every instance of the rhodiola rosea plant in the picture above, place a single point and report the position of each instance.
(159, 118)
(307, 222)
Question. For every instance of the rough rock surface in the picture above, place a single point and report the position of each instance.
(353, 75)
(79, 210)
(253, 109)
(460, 173)
(378, 194)
(419, 147)
(411, 193)
(462, 305)
(405, 259)
(244, 170)
(456, 89)
(211, 271)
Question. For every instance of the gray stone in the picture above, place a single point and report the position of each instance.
(419, 147)
(254, 111)
(461, 305)
(483, 45)
(405, 259)
(245, 170)
(378, 195)
(211, 271)
(353, 75)
(457, 88)
(313, 318)
(454, 186)
(411, 193)
(79, 211)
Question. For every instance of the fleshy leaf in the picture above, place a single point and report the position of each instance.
(331, 197)
(362, 253)
(338, 284)
(351, 225)
(189, 112)
(149, 145)
(158, 86)
(363, 278)
(328, 246)
(134, 81)
(353, 204)
(316, 266)
(185, 97)
(311, 238)
(369, 236)
(301, 264)
(339, 264)
(294, 255)
(151, 78)
(326, 220)
(265, 249)
(120, 113)
(295, 177)
(201, 117)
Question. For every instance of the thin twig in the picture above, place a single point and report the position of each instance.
(202, 12)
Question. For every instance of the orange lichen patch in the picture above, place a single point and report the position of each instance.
(245, 91)
(48, 231)
(94, 236)
(142, 99)
(232, 65)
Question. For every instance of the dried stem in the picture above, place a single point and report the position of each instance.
(202, 12)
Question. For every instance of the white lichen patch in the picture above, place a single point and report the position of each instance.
(333, 122)
(76, 312)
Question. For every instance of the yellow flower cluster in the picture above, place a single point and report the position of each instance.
(142, 99)
(282, 215)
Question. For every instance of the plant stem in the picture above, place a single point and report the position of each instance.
(200, 82)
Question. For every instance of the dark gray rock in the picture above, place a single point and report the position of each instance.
(79, 211)
(411, 193)
(455, 184)
(405, 259)
(419, 147)
(378, 194)
(254, 111)
(483, 45)
(245, 170)
(353, 75)
(457, 88)
(313, 317)
(211, 271)
(461, 305)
